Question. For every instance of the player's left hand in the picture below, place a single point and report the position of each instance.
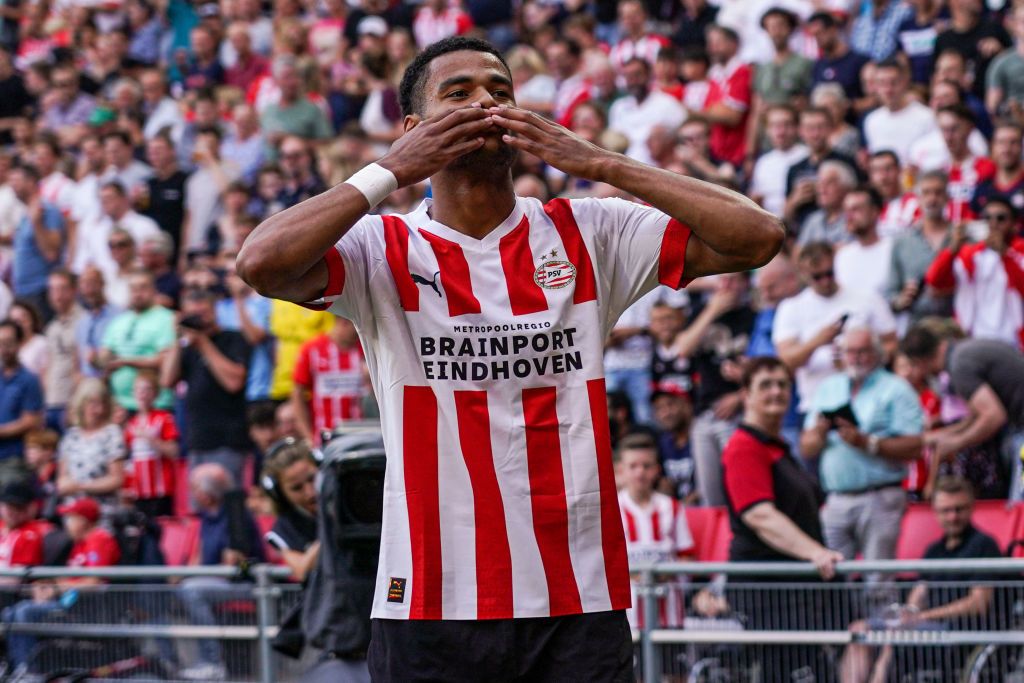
(554, 144)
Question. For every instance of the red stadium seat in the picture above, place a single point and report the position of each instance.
(709, 527)
(1017, 524)
(182, 496)
(920, 528)
(179, 538)
(996, 520)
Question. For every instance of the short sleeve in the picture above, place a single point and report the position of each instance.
(995, 77)
(882, 319)
(736, 94)
(101, 551)
(116, 448)
(907, 416)
(785, 326)
(966, 373)
(638, 246)
(166, 334)
(681, 535)
(27, 550)
(33, 395)
(168, 429)
(348, 272)
(747, 470)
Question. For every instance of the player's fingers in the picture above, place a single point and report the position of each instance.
(454, 117)
(520, 127)
(469, 128)
(464, 147)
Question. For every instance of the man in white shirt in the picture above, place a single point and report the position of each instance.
(768, 183)
(160, 110)
(131, 173)
(86, 204)
(900, 209)
(930, 152)
(900, 120)
(54, 187)
(92, 247)
(642, 109)
(806, 325)
(864, 263)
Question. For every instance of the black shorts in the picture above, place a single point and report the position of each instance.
(590, 648)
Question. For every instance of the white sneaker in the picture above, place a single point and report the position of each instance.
(204, 672)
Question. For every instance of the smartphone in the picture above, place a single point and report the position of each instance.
(842, 320)
(192, 322)
(844, 411)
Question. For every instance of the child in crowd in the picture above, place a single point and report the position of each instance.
(41, 458)
(655, 524)
(152, 439)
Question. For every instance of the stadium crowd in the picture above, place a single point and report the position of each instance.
(142, 141)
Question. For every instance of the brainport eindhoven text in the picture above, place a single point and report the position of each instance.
(466, 353)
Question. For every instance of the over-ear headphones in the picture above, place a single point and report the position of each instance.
(268, 483)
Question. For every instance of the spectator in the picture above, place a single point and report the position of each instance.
(695, 156)
(986, 279)
(294, 114)
(21, 536)
(292, 326)
(768, 182)
(34, 352)
(54, 187)
(828, 222)
(900, 209)
(248, 65)
(135, 340)
(118, 227)
(300, 177)
(837, 63)
(673, 417)
(286, 422)
(247, 312)
(122, 166)
(978, 37)
(635, 41)
(152, 439)
(931, 151)
(814, 130)
(900, 120)
(245, 147)
(330, 381)
(91, 167)
(1008, 180)
(668, 368)
(627, 356)
(989, 376)
(162, 113)
(437, 19)
(205, 113)
(67, 108)
(212, 362)
(146, 33)
(715, 342)
(773, 511)
(41, 459)
(564, 59)
(156, 256)
(39, 238)
(965, 170)
(92, 452)
(62, 356)
(636, 114)
(655, 525)
(210, 483)
(1004, 88)
(864, 262)
(729, 106)
(163, 200)
(694, 20)
(95, 317)
(937, 601)
(806, 325)
(914, 251)
(93, 546)
(917, 34)
(204, 192)
(951, 67)
(289, 476)
(786, 79)
(844, 138)
(875, 32)
(863, 425)
(204, 69)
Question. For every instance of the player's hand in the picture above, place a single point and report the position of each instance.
(554, 144)
(435, 142)
(825, 561)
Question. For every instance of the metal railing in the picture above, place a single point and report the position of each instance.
(768, 615)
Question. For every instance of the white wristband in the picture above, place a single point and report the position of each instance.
(375, 182)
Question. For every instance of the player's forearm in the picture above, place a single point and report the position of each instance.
(282, 258)
(742, 234)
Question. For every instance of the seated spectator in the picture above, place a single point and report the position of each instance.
(673, 417)
(289, 478)
(938, 601)
(768, 181)
(988, 376)
(806, 324)
(815, 128)
(900, 120)
(151, 436)
(210, 484)
(34, 352)
(828, 222)
(331, 381)
(21, 536)
(986, 279)
(92, 452)
(863, 426)
(773, 512)
(655, 525)
(21, 396)
(900, 209)
(864, 261)
(93, 546)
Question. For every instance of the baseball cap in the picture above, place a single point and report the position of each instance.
(18, 493)
(86, 507)
(372, 25)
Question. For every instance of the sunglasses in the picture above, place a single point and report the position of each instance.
(997, 217)
(823, 275)
(119, 245)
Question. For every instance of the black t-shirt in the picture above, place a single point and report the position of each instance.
(726, 338)
(988, 189)
(14, 101)
(844, 70)
(973, 362)
(216, 417)
(167, 204)
(758, 468)
(292, 530)
(966, 43)
(691, 31)
(169, 284)
(668, 367)
(946, 588)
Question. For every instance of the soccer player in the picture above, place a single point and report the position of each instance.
(483, 317)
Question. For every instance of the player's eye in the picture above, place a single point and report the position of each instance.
(457, 93)
(500, 93)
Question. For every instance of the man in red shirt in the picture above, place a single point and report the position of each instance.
(330, 380)
(965, 170)
(21, 536)
(729, 108)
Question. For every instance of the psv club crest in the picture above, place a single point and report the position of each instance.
(554, 274)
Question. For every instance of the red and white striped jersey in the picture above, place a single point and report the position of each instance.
(149, 474)
(964, 177)
(699, 95)
(898, 215)
(646, 48)
(571, 93)
(486, 359)
(429, 26)
(656, 532)
(335, 378)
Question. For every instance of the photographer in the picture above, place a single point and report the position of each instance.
(213, 362)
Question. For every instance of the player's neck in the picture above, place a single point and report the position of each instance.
(473, 205)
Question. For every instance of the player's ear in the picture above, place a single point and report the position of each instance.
(410, 121)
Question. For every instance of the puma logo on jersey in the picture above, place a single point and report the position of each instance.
(420, 280)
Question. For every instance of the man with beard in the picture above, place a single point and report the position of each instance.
(636, 114)
(864, 425)
(865, 260)
(483, 319)
(673, 415)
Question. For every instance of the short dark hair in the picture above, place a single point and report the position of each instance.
(819, 111)
(782, 106)
(118, 135)
(68, 276)
(1005, 201)
(762, 364)
(410, 91)
(19, 336)
(874, 196)
(920, 343)
(813, 251)
(115, 185)
(33, 313)
(961, 111)
(725, 31)
(891, 63)
(826, 19)
(695, 53)
(885, 153)
(637, 441)
(638, 60)
(49, 140)
(28, 169)
(953, 484)
(211, 130)
(1007, 123)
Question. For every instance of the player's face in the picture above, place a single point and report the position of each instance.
(769, 392)
(462, 79)
(640, 470)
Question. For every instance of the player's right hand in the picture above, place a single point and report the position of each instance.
(435, 142)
